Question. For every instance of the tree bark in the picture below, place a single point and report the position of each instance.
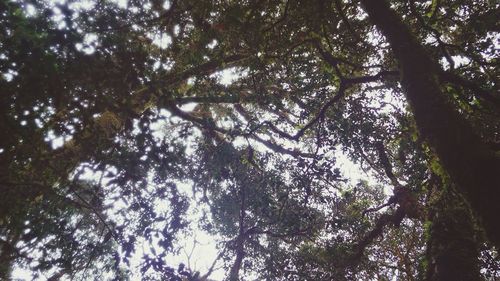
(239, 247)
(6, 259)
(8, 253)
(452, 249)
(465, 158)
(234, 273)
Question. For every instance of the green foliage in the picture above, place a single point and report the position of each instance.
(108, 112)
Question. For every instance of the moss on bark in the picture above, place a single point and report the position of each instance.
(452, 251)
(466, 159)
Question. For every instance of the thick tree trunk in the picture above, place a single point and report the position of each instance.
(234, 274)
(465, 158)
(8, 254)
(452, 250)
(5, 263)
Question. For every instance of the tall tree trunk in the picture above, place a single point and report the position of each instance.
(240, 254)
(8, 253)
(452, 249)
(465, 158)
(239, 247)
(6, 258)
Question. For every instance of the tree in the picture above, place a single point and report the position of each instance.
(98, 133)
(464, 156)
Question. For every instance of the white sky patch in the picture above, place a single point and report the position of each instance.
(495, 38)
(457, 60)
(21, 274)
(166, 5)
(188, 106)
(121, 3)
(56, 141)
(161, 40)
(212, 44)
(9, 75)
(199, 250)
(177, 29)
(351, 170)
(82, 5)
(58, 17)
(30, 10)
(229, 75)
(89, 44)
(156, 65)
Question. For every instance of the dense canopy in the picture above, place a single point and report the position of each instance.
(309, 140)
